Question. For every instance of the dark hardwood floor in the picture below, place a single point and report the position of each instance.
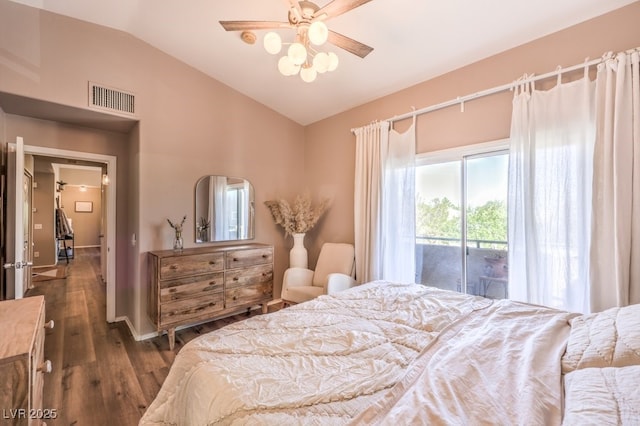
(101, 375)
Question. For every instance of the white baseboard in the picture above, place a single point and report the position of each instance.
(137, 337)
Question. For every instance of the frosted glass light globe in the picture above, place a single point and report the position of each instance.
(318, 33)
(286, 67)
(308, 74)
(333, 61)
(272, 43)
(321, 62)
(297, 53)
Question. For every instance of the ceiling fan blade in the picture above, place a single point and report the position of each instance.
(295, 5)
(338, 7)
(349, 44)
(253, 25)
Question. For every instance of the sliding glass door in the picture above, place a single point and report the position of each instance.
(438, 225)
(485, 224)
(461, 214)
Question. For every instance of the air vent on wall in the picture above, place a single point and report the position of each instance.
(112, 100)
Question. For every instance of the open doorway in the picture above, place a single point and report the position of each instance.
(68, 211)
(97, 173)
(79, 197)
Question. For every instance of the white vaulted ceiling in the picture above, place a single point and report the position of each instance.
(413, 41)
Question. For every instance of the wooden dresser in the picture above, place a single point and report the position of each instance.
(205, 283)
(22, 364)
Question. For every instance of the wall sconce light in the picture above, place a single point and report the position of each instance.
(105, 179)
(83, 188)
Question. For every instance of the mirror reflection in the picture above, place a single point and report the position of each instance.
(224, 209)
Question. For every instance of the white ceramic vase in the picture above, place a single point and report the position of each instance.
(298, 257)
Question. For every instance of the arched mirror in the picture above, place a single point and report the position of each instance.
(224, 209)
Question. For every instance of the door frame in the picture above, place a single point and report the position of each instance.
(14, 244)
(111, 162)
(27, 182)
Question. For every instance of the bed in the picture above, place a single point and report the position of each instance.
(389, 354)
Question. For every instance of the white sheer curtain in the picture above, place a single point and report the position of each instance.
(615, 252)
(550, 182)
(384, 208)
(217, 208)
(399, 208)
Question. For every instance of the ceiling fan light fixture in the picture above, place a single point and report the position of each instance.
(318, 33)
(272, 43)
(307, 20)
(297, 53)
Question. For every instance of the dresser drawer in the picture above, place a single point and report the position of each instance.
(252, 275)
(191, 309)
(176, 267)
(198, 286)
(250, 285)
(247, 294)
(249, 257)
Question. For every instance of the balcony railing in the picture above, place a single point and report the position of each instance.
(477, 243)
(439, 264)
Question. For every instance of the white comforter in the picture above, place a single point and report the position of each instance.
(379, 353)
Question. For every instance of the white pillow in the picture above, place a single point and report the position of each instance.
(602, 396)
(605, 339)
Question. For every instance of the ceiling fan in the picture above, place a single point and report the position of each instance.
(307, 19)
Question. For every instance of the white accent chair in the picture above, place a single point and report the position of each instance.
(334, 272)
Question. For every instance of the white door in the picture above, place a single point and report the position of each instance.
(16, 248)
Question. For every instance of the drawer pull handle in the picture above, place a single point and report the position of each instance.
(235, 259)
(235, 278)
(46, 367)
(264, 256)
(173, 290)
(212, 304)
(49, 324)
(235, 297)
(174, 267)
(212, 262)
(212, 283)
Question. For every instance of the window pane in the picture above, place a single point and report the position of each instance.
(438, 237)
(486, 208)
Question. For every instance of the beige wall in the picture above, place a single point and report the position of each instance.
(86, 225)
(330, 146)
(189, 126)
